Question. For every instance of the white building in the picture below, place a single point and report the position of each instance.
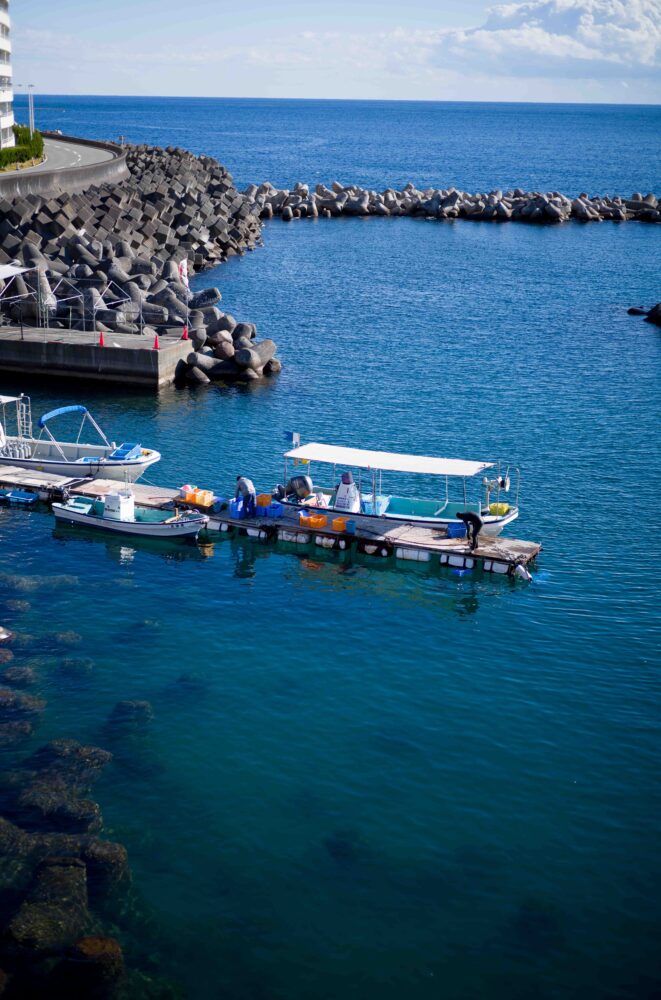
(6, 90)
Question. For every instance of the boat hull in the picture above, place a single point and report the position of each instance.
(188, 528)
(492, 525)
(102, 469)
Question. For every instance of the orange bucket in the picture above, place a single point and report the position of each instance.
(305, 520)
(318, 521)
(339, 524)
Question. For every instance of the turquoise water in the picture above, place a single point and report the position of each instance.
(380, 783)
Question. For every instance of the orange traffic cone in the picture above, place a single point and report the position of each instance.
(156, 342)
(102, 342)
(184, 335)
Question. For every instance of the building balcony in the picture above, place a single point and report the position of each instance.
(6, 96)
(5, 45)
(7, 121)
(4, 17)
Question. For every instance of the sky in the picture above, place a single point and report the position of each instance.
(538, 50)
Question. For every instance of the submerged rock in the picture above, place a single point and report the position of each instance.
(93, 967)
(106, 861)
(54, 913)
(131, 715)
(54, 640)
(57, 776)
(344, 847)
(13, 704)
(14, 732)
(18, 606)
(76, 666)
(18, 676)
(30, 583)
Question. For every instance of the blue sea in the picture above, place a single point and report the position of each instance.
(363, 782)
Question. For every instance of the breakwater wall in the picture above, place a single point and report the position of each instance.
(111, 259)
(447, 203)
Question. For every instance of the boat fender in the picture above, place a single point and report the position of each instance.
(374, 549)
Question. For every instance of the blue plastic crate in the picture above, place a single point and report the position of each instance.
(236, 509)
(275, 510)
(456, 530)
(126, 452)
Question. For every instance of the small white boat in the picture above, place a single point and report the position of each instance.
(120, 513)
(365, 496)
(125, 462)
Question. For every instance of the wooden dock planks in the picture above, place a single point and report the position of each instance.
(492, 551)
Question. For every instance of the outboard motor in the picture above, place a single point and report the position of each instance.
(300, 486)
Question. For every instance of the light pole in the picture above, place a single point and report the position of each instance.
(29, 87)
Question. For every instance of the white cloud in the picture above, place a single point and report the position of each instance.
(578, 38)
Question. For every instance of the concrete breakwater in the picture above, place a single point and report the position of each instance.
(447, 203)
(110, 260)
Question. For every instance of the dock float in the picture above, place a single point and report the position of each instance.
(379, 538)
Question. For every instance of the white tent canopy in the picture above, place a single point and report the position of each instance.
(386, 461)
(11, 270)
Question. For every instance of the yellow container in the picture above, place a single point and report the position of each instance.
(305, 520)
(339, 524)
(204, 498)
(499, 509)
(264, 500)
(318, 521)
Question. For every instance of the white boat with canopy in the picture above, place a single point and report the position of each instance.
(19, 447)
(364, 495)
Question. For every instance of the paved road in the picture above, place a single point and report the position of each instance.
(60, 155)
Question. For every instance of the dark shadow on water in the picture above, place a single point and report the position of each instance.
(537, 927)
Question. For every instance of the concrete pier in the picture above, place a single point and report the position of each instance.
(126, 358)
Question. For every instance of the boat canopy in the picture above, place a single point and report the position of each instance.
(386, 461)
(59, 412)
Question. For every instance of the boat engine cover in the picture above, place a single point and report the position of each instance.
(300, 485)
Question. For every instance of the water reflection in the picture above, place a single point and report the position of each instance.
(124, 552)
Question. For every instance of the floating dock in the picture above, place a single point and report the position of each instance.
(375, 537)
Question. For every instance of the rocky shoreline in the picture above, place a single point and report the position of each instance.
(111, 260)
(301, 202)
